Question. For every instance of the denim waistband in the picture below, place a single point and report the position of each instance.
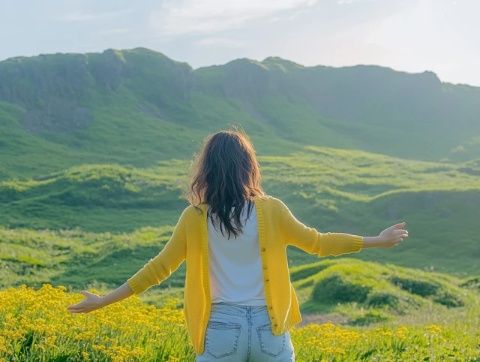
(237, 309)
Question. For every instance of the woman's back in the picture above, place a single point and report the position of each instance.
(235, 265)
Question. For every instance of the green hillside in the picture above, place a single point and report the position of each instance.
(137, 106)
(330, 189)
(362, 293)
(343, 289)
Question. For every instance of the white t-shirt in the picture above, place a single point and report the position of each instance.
(235, 264)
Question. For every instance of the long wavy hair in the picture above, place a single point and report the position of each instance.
(225, 174)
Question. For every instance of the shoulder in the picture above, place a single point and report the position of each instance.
(274, 202)
(189, 216)
(191, 210)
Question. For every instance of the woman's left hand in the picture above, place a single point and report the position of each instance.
(392, 235)
(90, 303)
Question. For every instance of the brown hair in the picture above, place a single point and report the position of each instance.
(225, 175)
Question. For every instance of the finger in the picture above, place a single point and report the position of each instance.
(399, 225)
(75, 310)
(80, 309)
(76, 307)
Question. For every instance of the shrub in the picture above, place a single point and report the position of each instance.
(419, 287)
(382, 299)
(335, 289)
(448, 300)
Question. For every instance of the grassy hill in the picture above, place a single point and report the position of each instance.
(137, 106)
(343, 289)
(368, 292)
(330, 189)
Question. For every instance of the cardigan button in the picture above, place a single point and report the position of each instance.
(267, 280)
(263, 249)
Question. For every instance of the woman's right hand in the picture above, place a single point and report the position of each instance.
(90, 303)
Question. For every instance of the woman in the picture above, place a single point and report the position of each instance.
(239, 302)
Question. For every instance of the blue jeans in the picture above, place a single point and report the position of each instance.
(241, 333)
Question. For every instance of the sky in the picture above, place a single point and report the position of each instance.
(442, 36)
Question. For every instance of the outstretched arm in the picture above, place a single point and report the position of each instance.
(312, 241)
(93, 301)
(153, 272)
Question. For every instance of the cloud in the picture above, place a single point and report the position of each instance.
(219, 42)
(348, 2)
(83, 16)
(211, 16)
(115, 31)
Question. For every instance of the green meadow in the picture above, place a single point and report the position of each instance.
(95, 153)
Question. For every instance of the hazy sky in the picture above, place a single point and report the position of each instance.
(409, 35)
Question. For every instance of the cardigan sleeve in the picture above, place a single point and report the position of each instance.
(165, 262)
(312, 241)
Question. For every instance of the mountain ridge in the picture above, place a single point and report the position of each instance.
(268, 59)
(74, 107)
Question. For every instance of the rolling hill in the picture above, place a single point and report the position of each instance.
(343, 289)
(137, 106)
(330, 189)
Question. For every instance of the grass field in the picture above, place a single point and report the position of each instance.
(36, 326)
(95, 225)
(330, 189)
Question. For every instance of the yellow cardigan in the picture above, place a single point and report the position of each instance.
(277, 228)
